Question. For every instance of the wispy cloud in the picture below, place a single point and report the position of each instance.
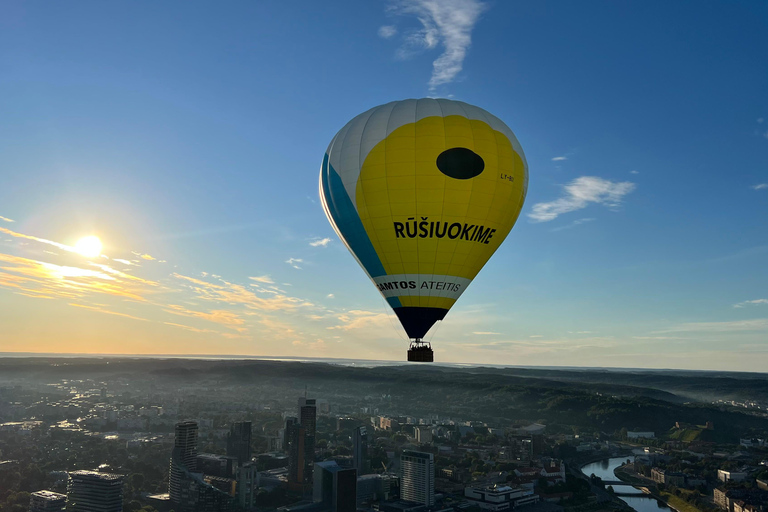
(14, 234)
(145, 256)
(359, 319)
(634, 172)
(751, 303)
(559, 158)
(99, 309)
(330, 296)
(6, 219)
(294, 262)
(228, 319)
(579, 194)
(759, 324)
(485, 333)
(235, 294)
(443, 22)
(387, 31)
(573, 224)
(760, 186)
(320, 242)
(262, 279)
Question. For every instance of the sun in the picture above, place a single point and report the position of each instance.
(89, 246)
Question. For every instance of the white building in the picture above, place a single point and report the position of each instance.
(730, 476)
(500, 497)
(417, 477)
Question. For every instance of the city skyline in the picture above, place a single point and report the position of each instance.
(193, 154)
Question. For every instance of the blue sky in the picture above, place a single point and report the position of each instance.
(192, 133)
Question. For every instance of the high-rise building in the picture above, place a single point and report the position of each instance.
(183, 458)
(308, 420)
(47, 501)
(417, 477)
(239, 441)
(91, 491)
(296, 451)
(187, 487)
(289, 421)
(361, 461)
(335, 487)
(247, 484)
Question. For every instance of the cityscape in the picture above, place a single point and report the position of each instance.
(114, 435)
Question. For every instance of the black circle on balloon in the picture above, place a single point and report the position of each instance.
(460, 163)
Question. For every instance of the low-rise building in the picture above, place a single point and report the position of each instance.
(731, 476)
(499, 497)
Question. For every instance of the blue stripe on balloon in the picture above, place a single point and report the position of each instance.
(348, 221)
(394, 302)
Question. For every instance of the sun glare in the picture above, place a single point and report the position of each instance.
(90, 246)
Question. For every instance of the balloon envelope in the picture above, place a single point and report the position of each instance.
(423, 192)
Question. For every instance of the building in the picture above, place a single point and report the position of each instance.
(375, 487)
(47, 501)
(183, 457)
(296, 452)
(91, 491)
(361, 460)
(188, 490)
(289, 422)
(417, 477)
(216, 465)
(728, 476)
(335, 487)
(247, 484)
(308, 420)
(663, 476)
(640, 435)
(239, 441)
(500, 497)
(423, 435)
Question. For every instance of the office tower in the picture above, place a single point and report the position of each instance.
(289, 421)
(91, 491)
(308, 420)
(361, 461)
(183, 458)
(296, 461)
(239, 441)
(335, 487)
(216, 465)
(247, 484)
(47, 501)
(417, 477)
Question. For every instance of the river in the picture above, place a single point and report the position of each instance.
(640, 501)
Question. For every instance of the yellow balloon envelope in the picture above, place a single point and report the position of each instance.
(423, 192)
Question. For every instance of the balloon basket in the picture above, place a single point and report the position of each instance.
(420, 352)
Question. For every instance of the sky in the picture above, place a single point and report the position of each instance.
(188, 137)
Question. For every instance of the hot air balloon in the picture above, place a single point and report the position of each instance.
(423, 192)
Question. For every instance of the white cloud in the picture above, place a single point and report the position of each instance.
(536, 336)
(559, 158)
(320, 242)
(359, 319)
(759, 324)
(634, 172)
(387, 31)
(446, 22)
(573, 224)
(262, 279)
(6, 219)
(579, 193)
(751, 303)
(330, 296)
(485, 333)
(294, 262)
(760, 186)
